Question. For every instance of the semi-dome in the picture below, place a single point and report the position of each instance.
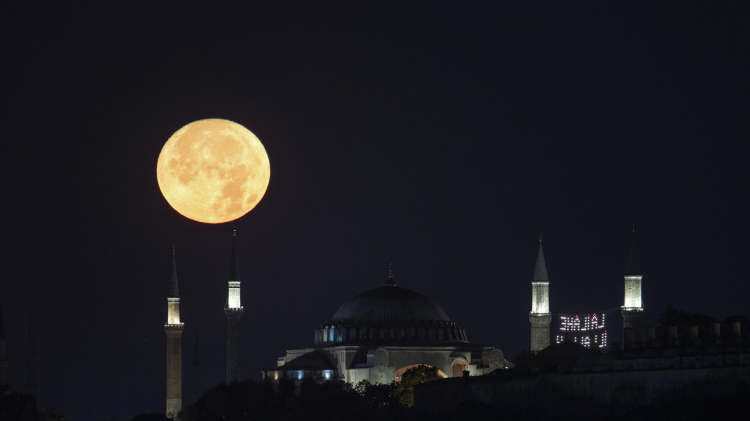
(392, 304)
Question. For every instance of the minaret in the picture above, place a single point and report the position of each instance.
(197, 370)
(633, 322)
(233, 310)
(540, 317)
(3, 355)
(32, 385)
(174, 330)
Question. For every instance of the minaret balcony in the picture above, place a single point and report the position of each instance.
(174, 326)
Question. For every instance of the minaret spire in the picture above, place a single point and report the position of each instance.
(633, 266)
(174, 328)
(234, 268)
(233, 310)
(3, 355)
(540, 317)
(174, 290)
(540, 269)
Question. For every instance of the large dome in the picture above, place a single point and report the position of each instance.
(390, 303)
(389, 315)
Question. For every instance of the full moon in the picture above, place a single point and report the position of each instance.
(213, 171)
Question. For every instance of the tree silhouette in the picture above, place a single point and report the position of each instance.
(411, 377)
(15, 406)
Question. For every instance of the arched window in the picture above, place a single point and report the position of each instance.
(352, 333)
(382, 333)
(325, 334)
(331, 332)
(393, 333)
(421, 333)
(441, 334)
(402, 333)
(412, 333)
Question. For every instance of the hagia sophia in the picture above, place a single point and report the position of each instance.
(379, 334)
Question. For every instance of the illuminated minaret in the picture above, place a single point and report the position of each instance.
(632, 312)
(3, 355)
(233, 310)
(32, 385)
(174, 330)
(540, 317)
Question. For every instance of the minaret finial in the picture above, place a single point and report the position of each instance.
(390, 281)
(173, 250)
(234, 231)
(540, 238)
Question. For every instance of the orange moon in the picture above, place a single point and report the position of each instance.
(213, 171)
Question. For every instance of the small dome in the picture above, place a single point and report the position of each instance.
(390, 303)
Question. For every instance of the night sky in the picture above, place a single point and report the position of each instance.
(443, 137)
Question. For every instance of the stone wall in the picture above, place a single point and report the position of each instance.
(626, 388)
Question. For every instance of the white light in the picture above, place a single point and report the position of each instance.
(234, 296)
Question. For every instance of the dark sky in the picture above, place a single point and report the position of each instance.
(441, 136)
